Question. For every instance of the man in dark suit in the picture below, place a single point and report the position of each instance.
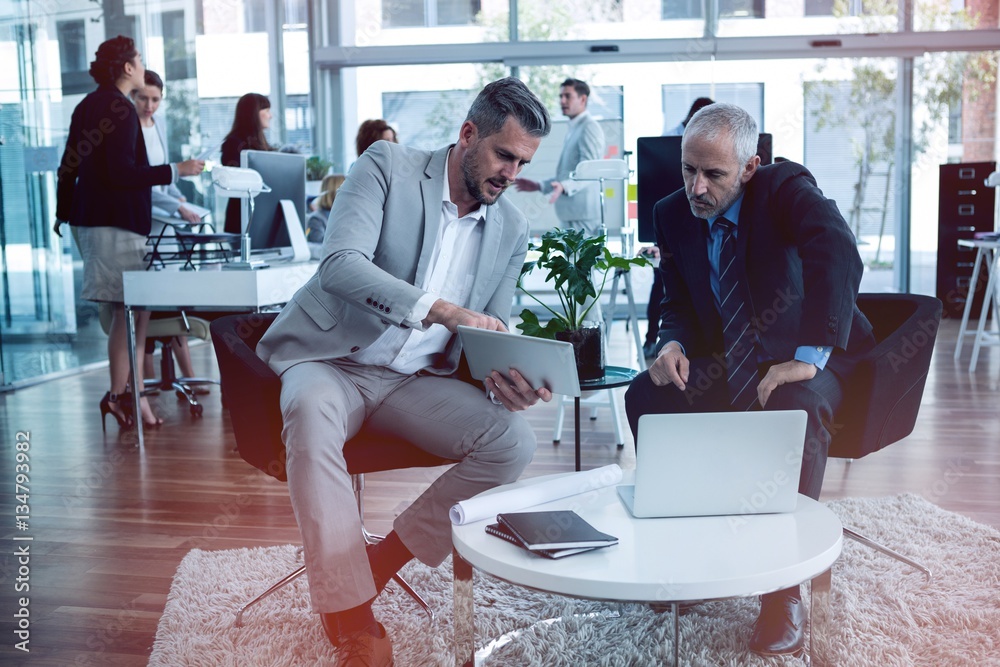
(760, 275)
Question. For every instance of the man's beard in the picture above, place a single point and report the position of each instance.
(469, 168)
(719, 209)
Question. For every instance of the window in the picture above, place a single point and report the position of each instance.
(427, 119)
(955, 122)
(179, 63)
(73, 58)
(254, 16)
(677, 99)
(421, 13)
(819, 8)
(692, 9)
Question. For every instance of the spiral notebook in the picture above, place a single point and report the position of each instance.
(498, 530)
(558, 529)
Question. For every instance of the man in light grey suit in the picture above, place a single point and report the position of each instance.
(418, 243)
(578, 204)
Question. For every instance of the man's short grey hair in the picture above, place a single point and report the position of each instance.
(720, 119)
(504, 98)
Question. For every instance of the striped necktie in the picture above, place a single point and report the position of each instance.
(737, 333)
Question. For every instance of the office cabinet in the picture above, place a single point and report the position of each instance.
(966, 206)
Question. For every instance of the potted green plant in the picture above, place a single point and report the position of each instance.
(317, 167)
(572, 260)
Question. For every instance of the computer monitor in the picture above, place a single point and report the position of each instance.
(658, 174)
(285, 174)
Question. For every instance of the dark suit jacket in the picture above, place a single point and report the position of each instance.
(800, 261)
(104, 178)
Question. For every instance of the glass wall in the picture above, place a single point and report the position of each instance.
(410, 22)
(208, 52)
(840, 116)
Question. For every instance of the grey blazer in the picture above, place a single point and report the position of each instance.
(385, 222)
(585, 141)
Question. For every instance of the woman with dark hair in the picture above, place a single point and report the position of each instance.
(147, 100)
(253, 116)
(371, 131)
(167, 199)
(103, 191)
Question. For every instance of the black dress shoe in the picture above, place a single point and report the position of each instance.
(780, 628)
(331, 628)
(649, 350)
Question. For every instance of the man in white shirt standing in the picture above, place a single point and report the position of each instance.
(578, 203)
(421, 242)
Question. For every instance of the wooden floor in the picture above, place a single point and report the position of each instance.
(109, 523)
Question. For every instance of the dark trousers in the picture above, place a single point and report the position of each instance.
(707, 392)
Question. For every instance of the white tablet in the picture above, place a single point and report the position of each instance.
(542, 362)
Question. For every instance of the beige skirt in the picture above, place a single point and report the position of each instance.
(106, 252)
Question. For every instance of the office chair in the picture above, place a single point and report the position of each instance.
(886, 390)
(251, 392)
(164, 331)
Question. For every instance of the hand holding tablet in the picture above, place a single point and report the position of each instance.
(542, 363)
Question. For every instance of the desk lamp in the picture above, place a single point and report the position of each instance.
(238, 183)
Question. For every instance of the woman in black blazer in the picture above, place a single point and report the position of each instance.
(103, 191)
(253, 116)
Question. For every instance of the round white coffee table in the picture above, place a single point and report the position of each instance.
(656, 560)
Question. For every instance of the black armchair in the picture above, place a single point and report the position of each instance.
(251, 392)
(885, 395)
(885, 392)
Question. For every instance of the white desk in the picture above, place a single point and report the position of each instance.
(656, 560)
(239, 291)
(988, 256)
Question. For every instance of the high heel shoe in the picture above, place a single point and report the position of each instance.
(114, 404)
(128, 401)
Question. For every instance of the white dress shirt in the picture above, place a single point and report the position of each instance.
(449, 277)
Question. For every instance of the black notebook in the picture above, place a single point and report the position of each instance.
(560, 529)
(497, 530)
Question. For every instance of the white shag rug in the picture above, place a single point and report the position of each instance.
(885, 614)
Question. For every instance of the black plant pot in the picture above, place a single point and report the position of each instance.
(589, 351)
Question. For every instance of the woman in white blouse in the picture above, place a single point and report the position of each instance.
(166, 198)
(147, 100)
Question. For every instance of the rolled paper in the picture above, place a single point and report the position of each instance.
(487, 506)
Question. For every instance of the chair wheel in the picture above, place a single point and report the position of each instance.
(197, 410)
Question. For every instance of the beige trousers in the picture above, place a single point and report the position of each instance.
(324, 404)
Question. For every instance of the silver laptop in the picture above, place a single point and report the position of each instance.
(716, 463)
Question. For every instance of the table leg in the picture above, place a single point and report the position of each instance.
(967, 310)
(134, 370)
(820, 619)
(464, 612)
(675, 609)
(984, 313)
(576, 426)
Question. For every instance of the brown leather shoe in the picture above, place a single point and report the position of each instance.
(363, 649)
